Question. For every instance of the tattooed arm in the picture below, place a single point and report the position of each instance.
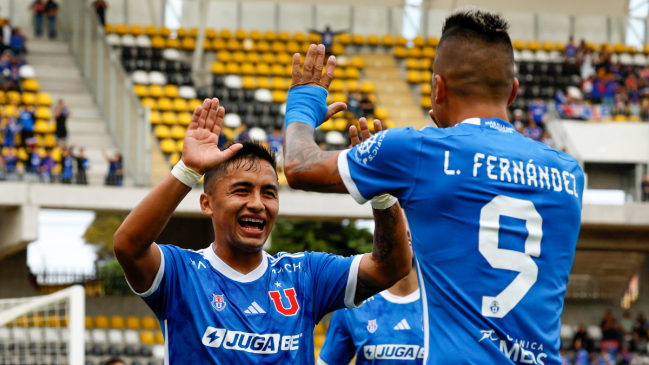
(391, 257)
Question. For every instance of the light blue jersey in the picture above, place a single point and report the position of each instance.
(494, 219)
(386, 329)
(211, 314)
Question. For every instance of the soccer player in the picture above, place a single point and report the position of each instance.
(494, 216)
(387, 327)
(231, 303)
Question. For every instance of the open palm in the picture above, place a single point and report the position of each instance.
(201, 146)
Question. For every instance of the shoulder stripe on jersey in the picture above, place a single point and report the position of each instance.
(352, 280)
(321, 362)
(295, 255)
(424, 304)
(156, 281)
(343, 168)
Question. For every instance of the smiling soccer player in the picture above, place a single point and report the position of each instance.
(231, 303)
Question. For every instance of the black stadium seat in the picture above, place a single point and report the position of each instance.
(171, 67)
(89, 362)
(218, 93)
(152, 363)
(187, 80)
(279, 121)
(185, 67)
(113, 351)
(156, 65)
(250, 120)
(173, 79)
(136, 363)
(233, 94)
(218, 81)
(273, 109)
(265, 122)
(202, 94)
(130, 351)
(97, 350)
(156, 54)
(248, 95)
(144, 65)
(258, 109)
(143, 54)
(145, 351)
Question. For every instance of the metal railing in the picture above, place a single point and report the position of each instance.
(111, 88)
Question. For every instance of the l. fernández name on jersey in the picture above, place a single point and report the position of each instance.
(210, 313)
(386, 329)
(494, 218)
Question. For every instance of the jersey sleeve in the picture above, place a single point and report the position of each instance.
(386, 163)
(338, 348)
(162, 297)
(334, 278)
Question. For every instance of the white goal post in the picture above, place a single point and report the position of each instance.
(44, 328)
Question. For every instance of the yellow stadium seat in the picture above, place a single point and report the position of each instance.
(240, 34)
(31, 85)
(358, 39)
(29, 98)
(401, 41)
(632, 49)
(50, 141)
(277, 70)
(426, 64)
(339, 73)
(560, 46)
(117, 322)
(219, 45)
(318, 341)
(3, 98)
(278, 47)
(169, 118)
(381, 113)
(414, 52)
(182, 32)
(108, 28)
(22, 154)
(367, 87)
(247, 69)
(147, 338)
(11, 110)
(327, 126)
(156, 91)
(141, 91)
(161, 131)
(337, 49)
(150, 30)
(218, 68)
(207, 45)
(13, 96)
(164, 104)
(263, 46)
(400, 52)
(188, 43)
(253, 57)
(226, 33)
(41, 126)
(184, 118)
(288, 70)
(180, 105)
(121, 29)
(43, 112)
(193, 32)
(174, 158)
(173, 43)
(433, 41)
(268, 57)
(155, 117)
(292, 47)
(419, 41)
(373, 40)
(428, 52)
(238, 57)
(357, 61)
(210, 33)
(315, 38)
(270, 36)
(137, 30)
(299, 37)
(39, 140)
(232, 68)
(263, 69)
(133, 323)
(352, 73)
(337, 85)
(255, 35)
(88, 322)
(518, 45)
(426, 76)
(101, 322)
(635, 118)
(158, 42)
(159, 338)
(339, 97)
(178, 132)
(619, 48)
(344, 39)
(249, 82)
(425, 102)
(284, 36)
(533, 45)
(547, 46)
(426, 88)
(413, 77)
(645, 48)
(351, 85)
(388, 40)
(263, 83)
(164, 31)
(168, 145)
(412, 64)
(279, 96)
(280, 83)
(193, 104)
(233, 45)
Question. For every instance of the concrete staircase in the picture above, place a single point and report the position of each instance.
(58, 75)
(392, 90)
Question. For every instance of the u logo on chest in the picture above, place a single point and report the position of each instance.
(279, 306)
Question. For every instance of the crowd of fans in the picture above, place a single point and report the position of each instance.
(620, 341)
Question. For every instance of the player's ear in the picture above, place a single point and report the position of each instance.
(206, 205)
(512, 96)
(439, 89)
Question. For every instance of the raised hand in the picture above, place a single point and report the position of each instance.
(365, 131)
(313, 75)
(200, 149)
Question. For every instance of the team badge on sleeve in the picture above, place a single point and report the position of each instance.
(372, 326)
(218, 302)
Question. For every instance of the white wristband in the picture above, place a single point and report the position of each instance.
(186, 175)
(384, 201)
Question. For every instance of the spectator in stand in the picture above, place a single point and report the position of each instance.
(641, 326)
(583, 338)
(581, 354)
(327, 38)
(83, 164)
(565, 360)
(276, 141)
(570, 51)
(645, 188)
(604, 59)
(618, 71)
(51, 9)
(10, 130)
(620, 105)
(626, 325)
(547, 140)
(367, 106)
(533, 131)
(587, 88)
(18, 43)
(61, 113)
(610, 88)
(587, 68)
(517, 120)
(114, 169)
(605, 358)
(47, 167)
(38, 7)
(26, 120)
(597, 93)
(6, 33)
(243, 133)
(100, 8)
(67, 167)
(14, 75)
(223, 140)
(610, 331)
(354, 104)
(538, 112)
(35, 161)
(11, 163)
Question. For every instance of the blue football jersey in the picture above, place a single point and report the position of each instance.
(386, 329)
(494, 218)
(210, 313)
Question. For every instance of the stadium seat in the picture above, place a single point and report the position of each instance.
(115, 336)
(334, 138)
(113, 40)
(157, 78)
(162, 131)
(232, 121)
(121, 29)
(167, 146)
(27, 72)
(117, 322)
(31, 85)
(98, 334)
(258, 134)
(299, 37)
(127, 40)
(388, 40)
(426, 103)
(155, 117)
(169, 118)
(178, 132)
(28, 98)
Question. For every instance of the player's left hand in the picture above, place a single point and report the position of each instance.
(365, 131)
(313, 75)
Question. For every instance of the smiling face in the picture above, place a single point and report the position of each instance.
(243, 204)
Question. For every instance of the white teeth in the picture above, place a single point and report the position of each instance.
(252, 220)
(252, 229)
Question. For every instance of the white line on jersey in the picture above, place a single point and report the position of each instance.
(403, 325)
(254, 309)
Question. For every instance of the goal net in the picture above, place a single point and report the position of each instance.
(46, 329)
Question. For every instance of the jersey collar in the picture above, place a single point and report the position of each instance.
(231, 273)
(414, 296)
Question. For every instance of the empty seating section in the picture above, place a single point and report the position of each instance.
(251, 73)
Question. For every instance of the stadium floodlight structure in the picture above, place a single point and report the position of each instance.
(44, 329)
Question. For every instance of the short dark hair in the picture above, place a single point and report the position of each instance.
(472, 22)
(113, 361)
(248, 157)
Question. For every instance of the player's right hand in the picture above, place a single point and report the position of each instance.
(365, 131)
(200, 148)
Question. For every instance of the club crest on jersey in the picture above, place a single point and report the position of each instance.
(218, 302)
(292, 299)
(367, 151)
(372, 326)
